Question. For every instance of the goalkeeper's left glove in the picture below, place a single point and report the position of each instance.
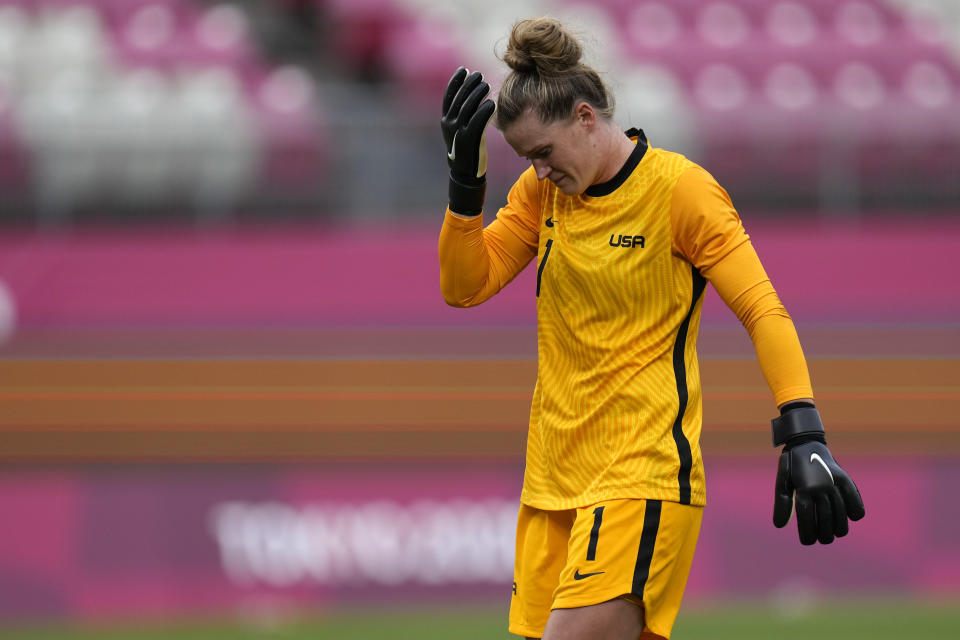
(825, 494)
(463, 125)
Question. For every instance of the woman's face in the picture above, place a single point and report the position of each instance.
(560, 150)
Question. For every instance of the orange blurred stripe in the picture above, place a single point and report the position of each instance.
(253, 409)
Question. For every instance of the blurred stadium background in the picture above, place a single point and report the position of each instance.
(233, 403)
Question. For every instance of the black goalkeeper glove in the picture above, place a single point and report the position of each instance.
(825, 494)
(464, 123)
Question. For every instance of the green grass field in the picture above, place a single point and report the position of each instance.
(874, 620)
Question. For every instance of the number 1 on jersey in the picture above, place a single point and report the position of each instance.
(543, 263)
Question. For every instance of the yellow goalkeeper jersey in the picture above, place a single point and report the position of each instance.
(621, 273)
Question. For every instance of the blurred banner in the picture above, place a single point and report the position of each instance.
(174, 540)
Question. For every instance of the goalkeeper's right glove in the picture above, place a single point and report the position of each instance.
(464, 123)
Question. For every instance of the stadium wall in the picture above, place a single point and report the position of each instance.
(863, 273)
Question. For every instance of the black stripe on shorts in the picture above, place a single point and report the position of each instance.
(648, 539)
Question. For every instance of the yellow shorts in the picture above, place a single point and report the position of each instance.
(635, 549)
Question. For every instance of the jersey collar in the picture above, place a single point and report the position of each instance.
(611, 185)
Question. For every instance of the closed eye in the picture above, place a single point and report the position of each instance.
(540, 154)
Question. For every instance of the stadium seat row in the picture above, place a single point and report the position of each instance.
(159, 103)
(858, 70)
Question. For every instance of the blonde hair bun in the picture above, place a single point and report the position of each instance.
(542, 45)
(547, 75)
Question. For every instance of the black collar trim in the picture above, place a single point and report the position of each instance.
(611, 185)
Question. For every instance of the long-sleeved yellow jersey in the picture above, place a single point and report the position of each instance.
(621, 272)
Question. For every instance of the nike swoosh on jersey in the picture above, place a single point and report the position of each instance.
(815, 457)
(580, 576)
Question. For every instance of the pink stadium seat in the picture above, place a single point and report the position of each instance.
(860, 23)
(149, 33)
(724, 25)
(928, 84)
(223, 36)
(651, 25)
(791, 24)
(652, 29)
(168, 35)
(792, 88)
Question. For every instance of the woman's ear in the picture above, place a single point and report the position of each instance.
(585, 114)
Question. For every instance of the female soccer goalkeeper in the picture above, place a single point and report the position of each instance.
(626, 238)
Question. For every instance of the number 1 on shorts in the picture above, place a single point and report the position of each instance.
(594, 534)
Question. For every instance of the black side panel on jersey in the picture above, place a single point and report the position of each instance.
(680, 372)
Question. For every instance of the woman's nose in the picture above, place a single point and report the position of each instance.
(542, 168)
